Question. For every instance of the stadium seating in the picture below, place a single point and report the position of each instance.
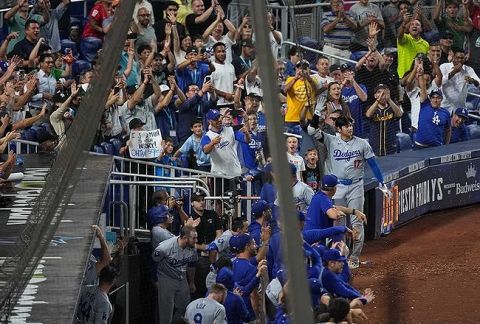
(404, 142)
(108, 148)
(80, 66)
(98, 149)
(474, 131)
(31, 135)
(117, 144)
(89, 47)
(307, 55)
(66, 43)
(42, 134)
(47, 127)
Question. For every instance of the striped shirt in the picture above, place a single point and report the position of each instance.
(341, 35)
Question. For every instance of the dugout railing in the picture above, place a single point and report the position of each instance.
(132, 183)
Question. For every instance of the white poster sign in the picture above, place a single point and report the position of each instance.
(145, 144)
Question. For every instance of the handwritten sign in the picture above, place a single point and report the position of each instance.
(145, 144)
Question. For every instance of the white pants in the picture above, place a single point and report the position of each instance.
(336, 51)
(352, 196)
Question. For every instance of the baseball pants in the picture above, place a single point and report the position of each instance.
(173, 295)
(352, 196)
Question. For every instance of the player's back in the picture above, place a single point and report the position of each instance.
(205, 310)
(94, 306)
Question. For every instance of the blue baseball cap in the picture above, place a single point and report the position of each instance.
(462, 112)
(239, 242)
(225, 277)
(213, 114)
(333, 255)
(259, 207)
(329, 181)
(437, 92)
(157, 214)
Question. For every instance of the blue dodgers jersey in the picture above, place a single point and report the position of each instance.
(316, 217)
(432, 123)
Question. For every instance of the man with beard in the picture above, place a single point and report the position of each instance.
(170, 18)
(144, 30)
(223, 76)
(409, 44)
(173, 256)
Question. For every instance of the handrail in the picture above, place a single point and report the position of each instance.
(122, 217)
(20, 142)
(158, 184)
(127, 299)
(318, 51)
(474, 117)
(179, 179)
(26, 142)
(168, 166)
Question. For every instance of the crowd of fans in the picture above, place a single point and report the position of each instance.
(190, 72)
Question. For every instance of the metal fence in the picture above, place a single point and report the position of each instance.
(20, 146)
(134, 181)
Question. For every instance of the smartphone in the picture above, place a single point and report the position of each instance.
(116, 90)
(208, 78)
(203, 50)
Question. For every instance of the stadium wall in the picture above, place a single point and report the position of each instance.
(421, 182)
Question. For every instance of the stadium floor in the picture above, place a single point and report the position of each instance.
(426, 271)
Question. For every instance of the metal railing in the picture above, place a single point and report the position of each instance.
(313, 50)
(134, 181)
(127, 299)
(24, 146)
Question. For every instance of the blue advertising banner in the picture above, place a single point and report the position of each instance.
(440, 186)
